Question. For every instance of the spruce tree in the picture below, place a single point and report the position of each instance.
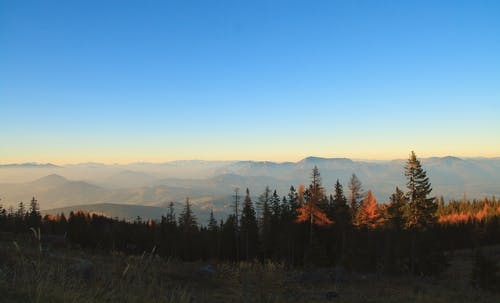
(421, 208)
(275, 208)
(249, 228)
(355, 195)
(265, 221)
(396, 210)
(187, 219)
(170, 218)
(188, 227)
(263, 204)
(34, 216)
(212, 223)
(340, 210)
(293, 202)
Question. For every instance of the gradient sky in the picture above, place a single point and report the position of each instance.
(123, 81)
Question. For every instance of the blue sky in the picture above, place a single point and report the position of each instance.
(124, 81)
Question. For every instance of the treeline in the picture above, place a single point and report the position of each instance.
(414, 232)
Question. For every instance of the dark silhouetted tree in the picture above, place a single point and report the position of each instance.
(34, 216)
(421, 208)
(396, 209)
(355, 195)
(249, 229)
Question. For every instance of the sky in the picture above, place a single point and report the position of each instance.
(125, 81)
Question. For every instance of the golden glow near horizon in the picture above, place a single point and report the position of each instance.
(276, 157)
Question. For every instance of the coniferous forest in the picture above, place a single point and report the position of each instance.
(415, 232)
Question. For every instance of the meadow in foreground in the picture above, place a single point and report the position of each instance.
(28, 274)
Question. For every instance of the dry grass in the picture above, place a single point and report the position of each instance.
(28, 274)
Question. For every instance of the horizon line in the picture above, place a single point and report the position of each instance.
(236, 160)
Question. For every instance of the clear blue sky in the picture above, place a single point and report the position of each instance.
(123, 81)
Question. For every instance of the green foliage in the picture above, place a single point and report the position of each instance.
(421, 208)
(396, 210)
(339, 210)
(355, 195)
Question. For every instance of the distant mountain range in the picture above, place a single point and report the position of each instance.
(210, 184)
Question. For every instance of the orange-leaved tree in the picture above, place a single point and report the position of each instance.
(369, 215)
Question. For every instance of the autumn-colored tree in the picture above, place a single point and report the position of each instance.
(318, 216)
(314, 199)
(368, 214)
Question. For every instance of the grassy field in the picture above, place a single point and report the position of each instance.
(29, 274)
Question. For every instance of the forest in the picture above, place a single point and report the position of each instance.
(414, 232)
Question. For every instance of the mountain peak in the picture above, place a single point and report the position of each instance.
(313, 159)
(29, 165)
(51, 180)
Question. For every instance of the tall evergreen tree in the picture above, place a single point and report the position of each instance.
(213, 226)
(34, 216)
(315, 200)
(187, 219)
(188, 227)
(213, 236)
(275, 208)
(340, 210)
(170, 218)
(21, 211)
(355, 195)
(265, 221)
(293, 202)
(316, 192)
(263, 204)
(396, 210)
(228, 241)
(422, 208)
(249, 228)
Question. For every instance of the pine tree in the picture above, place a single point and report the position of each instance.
(34, 216)
(228, 243)
(263, 203)
(275, 208)
(314, 200)
(249, 228)
(316, 192)
(170, 218)
(396, 210)
(188, 227)
(340, 210)
(21, 211)
(293, 202)
(422, 209)
(213, 236)
(355, 195)
(265, 221)
(212, 223)
(187, 219)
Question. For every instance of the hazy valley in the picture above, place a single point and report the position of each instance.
(210, 184)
